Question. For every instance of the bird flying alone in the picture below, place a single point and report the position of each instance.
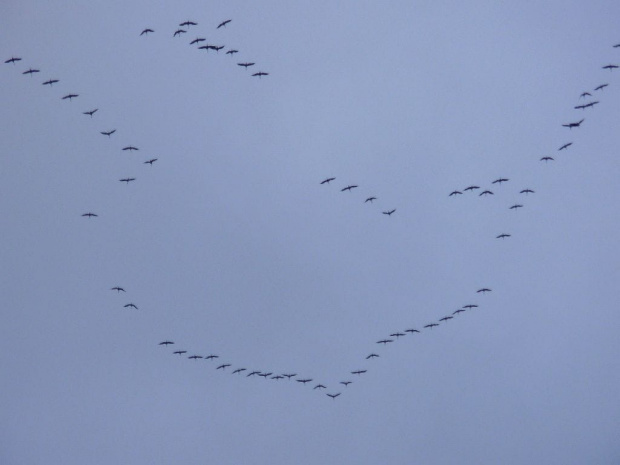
(601, 87)
(260, 74)
(484, 290)
(131, 305)
(327, 181)
(348, 188)
(389, 212)
(146, 31)
(245, 65)
(117, 289)
(515, 206)
(546, 159)
(502, 236)
(223, 23)
(565, 146)
(89, 214)
(31, 71)
(610, 67)
(70, 96)
(151, 161)
(90, 113)
(13, 60)
(130, 148)
(573, 125)
(50, 82)
(127, 180)
(165, 343)
(108, 133)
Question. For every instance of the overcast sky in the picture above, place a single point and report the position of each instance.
(229, 245)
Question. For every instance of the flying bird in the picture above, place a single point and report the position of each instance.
(165, 343)
(371, 356)
(446, 318)
(108, 133)
(197, 40)
(50, 82)
(515, 206)
(127, 180)
(252, 373)
(471, 188)
(188, 23)
(470, 306)
(91, 112)
(610, 67)
(178, 32)
(303, 381)
(591, 104)
(346, 383)
(431, 325)
(245, 65)
(90, 214)
(412, 331)
(616, 46)
(585, 94)
(455, 193)
(31, 71)
(389, 213)
(384, 341)
(195, 357)
(223, 23)
(460, 310)
(151, 161)
(358, 372)
(260, 74)
(146, 31)
(601, 87)
(348, 188)
(13, 60)
(500, 181)
(180, 352)
(277, 377)
(484, 290)
(565, 146)
(526, 191)
(485, 193)
(130, 148)
(396, 335)
(131, 305)
(211, 357)
(319, 386)
(327, 181)
(333, 396)
(232, 52)
(238, 370)
(573, 125)
(289, 375)
(370, 199)
(70, 96)
(502, 236)
(546, 159)
(118, 289)
(223, 366)
(265, 375)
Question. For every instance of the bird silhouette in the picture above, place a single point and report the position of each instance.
(151, 161)
(146, 31)
(31, 71)
(252, 373)
(371, 356)
(348, 188)
(223, 366)
(431, 325)
(370, 199)
(13, 60)
(455, 193)
(131, 305)
(546, 159)
(389, 212)
(165, 343)
(91, 112)
(485, 193)
(500, 181)
(319, 386)
(232, 52)
(470, 306)
(591, 104)
(484, 290)
(211, 357)
(277, 377)
(327, 181)
(411, 331)
(179, 352)
(178, 32)
(610, 67)
(50, 82)
(601, 87)
(70, 96)
(585, 94)
(446, 318)
(526, 191)
(460, 310)
(118, 289)
(195, 357)
(515, 206)
(358, 372)
(502, 236)
(303, 381)
(384, 341)
(223, 23)
(260, 74)
(565, 146)
(89, 214)
(130, 148)
(245, 65)
(289, 375)
(127, 180)
(197, 40)
(265, 375)
(333, 396)
(471, 188)
(346, 383)
(573, 125)
(188, 24)
(238, 370)
(108, 133)
(396, 335)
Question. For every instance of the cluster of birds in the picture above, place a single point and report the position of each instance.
(393, 337)
(350, 187)
(271, 374)
(576, 124)
(201, 44)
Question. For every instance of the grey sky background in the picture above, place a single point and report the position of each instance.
(229, 245)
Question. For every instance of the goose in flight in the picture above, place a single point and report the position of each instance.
(601, 87)
(195, 357)
(500, 181)
(238, 370)
(565, 146)
(130, 148)
(515, 206)
(252, 373)
(348, 188)
(108, 133)
(303, 381)
(232, 52)
(446, 318)
(188, 24)
(502, 236)
(471, 188)
(396, 335)
(91, 112)
(151, 161)
(70, 96)
(370, 199)
(146, 31)
(371, 356)
(245, 65)
(333, 396)
(165, 343)
(178, 32)
(131, 305)
(574, 125)
(265, 375)
(127, 180)
(546, 159)
(484, 290)
(346, 383)
(358, 372)
(460, 310)
(197, 40)
(179, 352)
(89, 214)
(327, 181)
(389, 212)
(31, 71)
(223, 23)
(591, 104)
(411, 330)
(260, 74)
(277, 377)
(470, 306)
(485, 193)
(117, 289)
(50, 82)
(223, 366)
(319, 386)
(455, 193)
(585, 94)
(211, 357)
(384, 341)
(526, 191)
(289, 375)
(13, 60)
(431, 325)
(610, 67)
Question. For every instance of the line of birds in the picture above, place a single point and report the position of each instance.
(350, 187)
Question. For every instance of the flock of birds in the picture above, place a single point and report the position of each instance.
(331, 390)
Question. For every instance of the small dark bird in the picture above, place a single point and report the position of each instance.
(245, 65)
(223, 23)
(500, 181)
(470, 306)
(50, 82)
(396, 335)
(146, 31)
(455, 193)
(371, 356)
(108, 133)
(127, 180)
(431, 325)
(266, 375)
(91, 112)
(616, 46)
(211, 357)
(197, 40)
(260, 74)
(471, 188)
(610, 67)
(31, 71)
(205, 47)
(502, 236)
(412, 331)
(13, 60)
(370, 199)
(580, 107)
(232, 52)
(515, 206)
(319, 386)
(277, 377)
(180, 352)
(573, 125)
(289, 375)
(348, 188)
(217, 48)
(252, 373)
(151, 161)
(327, 181)
(358, 372)
(178, 32)
(601, 87)
(131, 305)
(591, 104)
(89, 214)
(223, 366)
(389, 213)
(188, 24)
(565, 146)
(446, 318)
(460, 310)
(165, 343)
(384, 341)
(585, 94)
(70, 96)
(118, 289)
(546, 159)
(333, 396)
(526, 191)
(130, 148)
(195, 357)
(238, 370)
(485, 193)
(484, 290)
(346, 383)
(303, 381)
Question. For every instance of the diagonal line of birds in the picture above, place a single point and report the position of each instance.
(485, 191)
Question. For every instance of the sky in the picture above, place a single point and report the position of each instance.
(229, 244)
